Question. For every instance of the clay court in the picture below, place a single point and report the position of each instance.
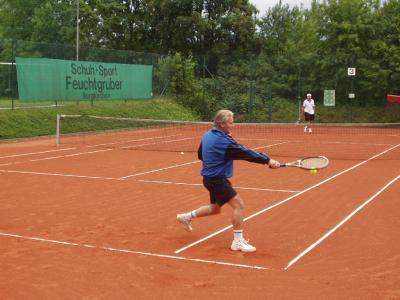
(85, 222)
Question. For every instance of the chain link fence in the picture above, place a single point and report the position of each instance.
(256, 88)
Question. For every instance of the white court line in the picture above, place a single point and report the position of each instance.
(201, 185)
(294, 260)
(324, 142)
(285, 200)
(269, 146)
(96, 177)
(213, 262)
(71, 155)
(184, 164)
(161, 169)
(135, 140)
(58, 174)
(54, 157)
(352, 143)
(39, 152)
(80, 153)
(155, 143)
(252, 139)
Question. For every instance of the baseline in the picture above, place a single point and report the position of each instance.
(160, 255)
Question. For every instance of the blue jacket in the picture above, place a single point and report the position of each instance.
(218, 150)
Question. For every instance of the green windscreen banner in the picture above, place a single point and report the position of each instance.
(42, 79)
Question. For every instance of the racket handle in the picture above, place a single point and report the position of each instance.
(283, 165)
(280, 165)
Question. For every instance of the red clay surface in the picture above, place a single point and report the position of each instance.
(101, 225)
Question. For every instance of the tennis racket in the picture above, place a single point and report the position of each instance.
(309, 163)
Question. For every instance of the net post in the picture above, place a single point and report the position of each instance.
(299, 109)
(58, 126)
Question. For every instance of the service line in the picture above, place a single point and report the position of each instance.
(184, 164)
(55, 157)
(160, 169)
(58, 174)
(130, 141)
(201, 185)
(39, 152)
(80, 153)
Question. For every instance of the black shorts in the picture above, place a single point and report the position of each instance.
(221, 190)
(308, 117)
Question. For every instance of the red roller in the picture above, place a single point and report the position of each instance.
(393, 98)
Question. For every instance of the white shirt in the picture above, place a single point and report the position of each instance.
(309, 106)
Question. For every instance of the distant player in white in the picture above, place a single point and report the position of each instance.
(309, 112)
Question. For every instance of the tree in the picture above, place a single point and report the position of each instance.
(178, 74)
(16, 18)
(385, 51)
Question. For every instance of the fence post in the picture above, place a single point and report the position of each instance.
(11, 74)
(298, 94)
(251, 94)
(58, 127)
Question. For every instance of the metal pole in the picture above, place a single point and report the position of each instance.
(269, 104)
(11, 74)
(58, 127)
(352, 91)
(77, 29)
(351, 101)
(298, 109)
(77, 34)
(204, 77)
(298, 96)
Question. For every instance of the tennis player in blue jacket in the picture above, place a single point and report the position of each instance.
(217, 151)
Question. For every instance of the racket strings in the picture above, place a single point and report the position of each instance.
(314, 162)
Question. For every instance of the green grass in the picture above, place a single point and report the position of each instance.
(283, 111)
(32, 122)
(22, 123)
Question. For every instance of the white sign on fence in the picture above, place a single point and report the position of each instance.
(329, 97)
(351, 71)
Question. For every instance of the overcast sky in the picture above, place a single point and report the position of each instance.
(263, 5)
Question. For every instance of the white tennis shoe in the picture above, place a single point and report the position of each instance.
(242, 245)
(305, 129)
(309, 130)
(185, 222)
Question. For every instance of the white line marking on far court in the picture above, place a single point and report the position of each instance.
(347, 218)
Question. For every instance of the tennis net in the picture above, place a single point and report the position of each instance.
(287, 140)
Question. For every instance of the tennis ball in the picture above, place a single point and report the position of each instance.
(182, 153)
(313, 171)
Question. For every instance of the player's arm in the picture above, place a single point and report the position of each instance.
(235, 151)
